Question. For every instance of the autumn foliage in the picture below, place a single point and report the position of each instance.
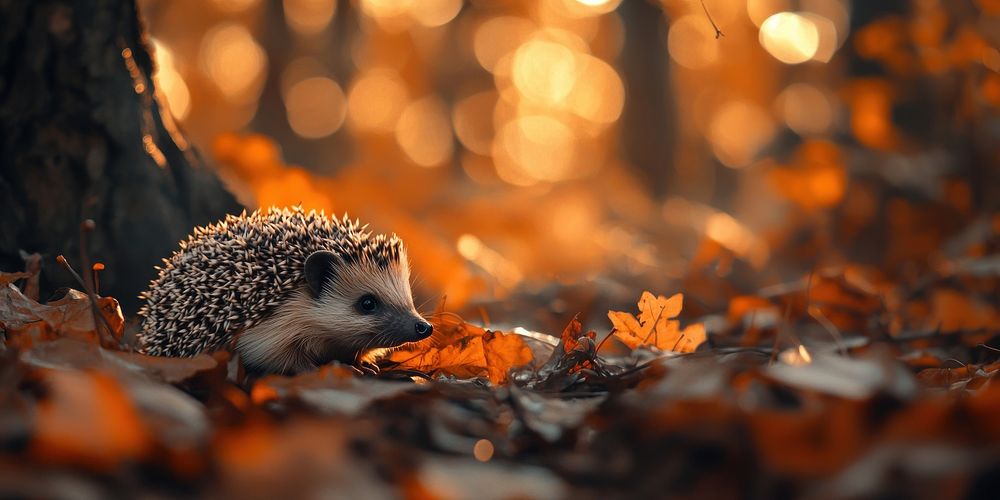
(676, 253)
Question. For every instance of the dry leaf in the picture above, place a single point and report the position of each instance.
(71, 315)
(88, 419)
(655, 327)
(465, 351)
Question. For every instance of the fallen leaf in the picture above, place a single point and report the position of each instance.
(479, 353)
(504, 352)
(72, 315)
(87, 419)
(655, 327)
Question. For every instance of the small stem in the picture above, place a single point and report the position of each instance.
(718, 32)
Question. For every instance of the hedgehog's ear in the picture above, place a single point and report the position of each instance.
(320, 267)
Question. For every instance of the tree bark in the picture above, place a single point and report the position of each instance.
(83, 136)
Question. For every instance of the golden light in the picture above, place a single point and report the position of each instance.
(827, 44)
(691, 42)
(871, 114)
(759, 10)
(599, 97)
(298, 70)
(390, 15)
(433, 13)
(574, 214)
(375, 100)
(581, 8)
(805, 109)
(534, 148)
(234, 61)
(424, 132)
(737, 131)
(483, 450)
(473, 249)
(170, 82)
(473, 120)
(796, 357)
(719, 226)
(315, 107)
(735, 236)
(309, 17)
(836, 11)
(498, 37)
(479, 168)
(544, 71)
(790, 37)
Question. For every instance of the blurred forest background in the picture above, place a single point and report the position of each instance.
(523, 145)
(558, 154)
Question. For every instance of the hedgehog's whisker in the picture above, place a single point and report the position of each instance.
(446, 314)
(417, 279)
(424, 303)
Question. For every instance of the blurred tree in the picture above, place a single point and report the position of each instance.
(83, 136)
(648, 123)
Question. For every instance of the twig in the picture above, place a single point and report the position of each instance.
(95, 308)
(718, 32)
(828, 325)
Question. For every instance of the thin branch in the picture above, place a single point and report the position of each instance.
(718, 32)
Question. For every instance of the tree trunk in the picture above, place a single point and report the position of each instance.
(649, 128)
(83, 136)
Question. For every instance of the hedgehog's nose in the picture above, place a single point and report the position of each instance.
(424, 329)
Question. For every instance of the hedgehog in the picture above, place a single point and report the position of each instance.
(287, 290)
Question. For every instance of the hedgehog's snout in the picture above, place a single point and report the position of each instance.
(413, 329)
(424, 329)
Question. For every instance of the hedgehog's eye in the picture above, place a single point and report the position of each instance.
(367, 304)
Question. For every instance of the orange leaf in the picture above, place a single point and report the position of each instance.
(464, 359)
(466, 351)
(570, 337)
(652, 307)
(654, 326)
(504, 352)
(88, 419)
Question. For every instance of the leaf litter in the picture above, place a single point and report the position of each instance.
(839, 406)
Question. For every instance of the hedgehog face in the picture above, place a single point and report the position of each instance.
(363, 304)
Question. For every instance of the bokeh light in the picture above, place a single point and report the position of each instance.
(376, 99)
(738, 130)
(315, 107)
(309, 17)
(170, 82)
(473, 119)
(805, 109)
(760, 10)
(545, 71)
(498, 37)
(432, 13)
(424, 132)
(691, 42)
(234, 61)
(790, 37)
(582, 8)
(599, 96)
(535, 148)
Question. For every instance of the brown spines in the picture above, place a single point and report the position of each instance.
(229, 276)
